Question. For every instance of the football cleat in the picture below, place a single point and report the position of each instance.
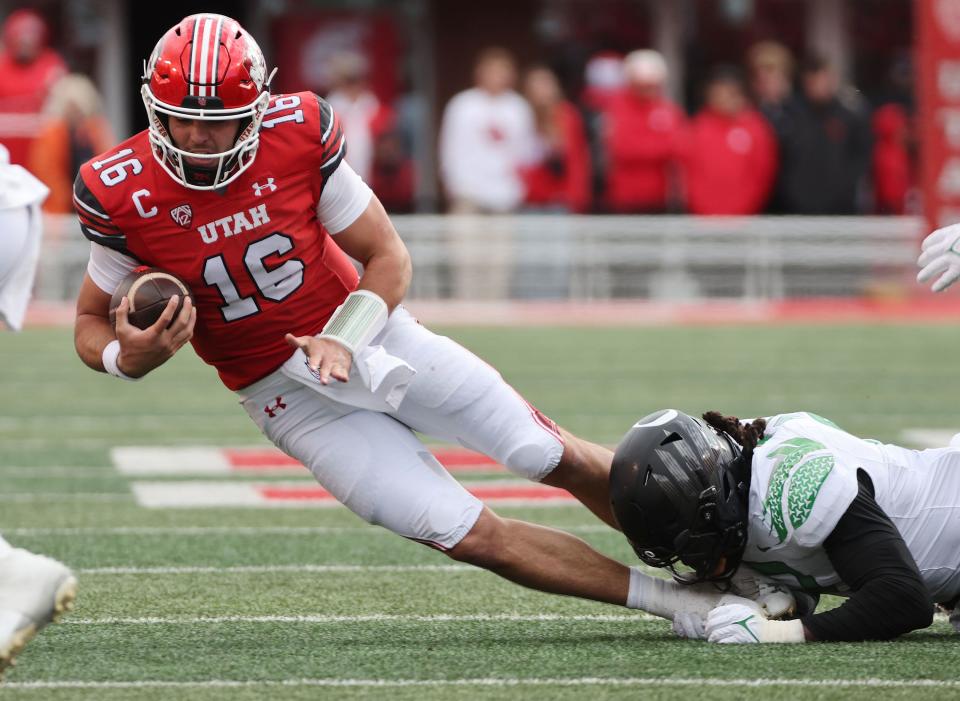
(34, 590)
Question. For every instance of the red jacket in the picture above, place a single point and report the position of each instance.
(731, 163)
(23, 89)
(892, 171)
(563, 178)
(643, 138)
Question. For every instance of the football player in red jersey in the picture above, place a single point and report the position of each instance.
(246, 196)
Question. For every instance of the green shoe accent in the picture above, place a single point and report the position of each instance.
(747, 628)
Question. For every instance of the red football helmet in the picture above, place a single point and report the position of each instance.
(206, 67)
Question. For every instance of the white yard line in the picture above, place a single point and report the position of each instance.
(65, 422)
(41, 473)
(65, 496)
(239, 530)
(366, 618)
(377, 618)
(498, 682)
(260, 569)
(928, 437)
(21, 443)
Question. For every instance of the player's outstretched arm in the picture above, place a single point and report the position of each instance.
(140, 351)
(373, 241)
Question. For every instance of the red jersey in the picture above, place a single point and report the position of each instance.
(257, 260)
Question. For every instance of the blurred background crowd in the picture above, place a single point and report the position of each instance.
(611, 106)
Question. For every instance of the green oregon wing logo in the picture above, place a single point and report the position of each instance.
(804, 485)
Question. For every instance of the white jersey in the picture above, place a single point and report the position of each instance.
(484, 140)
(804, 477)
(20, 228)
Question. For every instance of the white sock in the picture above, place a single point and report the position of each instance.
(664, 597)
(5, 547)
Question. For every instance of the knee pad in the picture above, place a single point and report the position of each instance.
(532, 451)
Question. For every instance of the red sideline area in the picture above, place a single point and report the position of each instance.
(920, 308)
(259, 459)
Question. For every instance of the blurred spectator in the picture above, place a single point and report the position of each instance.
(770, 65)
(560, 177)
(892, 170)
(393, 171)
(894, 162)
(824, 147)
(359, 110)
(603, 80)
(486, 137)
(644, 135)
(27, 71)
(731, 159)
(74, 131)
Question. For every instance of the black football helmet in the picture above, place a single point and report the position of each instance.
(679, 490)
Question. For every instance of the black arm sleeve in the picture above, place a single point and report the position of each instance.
(867, 551)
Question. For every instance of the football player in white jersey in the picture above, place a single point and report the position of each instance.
(803, 502)
(33, 589)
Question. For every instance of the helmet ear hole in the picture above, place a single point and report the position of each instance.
(671, 438)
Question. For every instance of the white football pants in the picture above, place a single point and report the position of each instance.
(374, 464)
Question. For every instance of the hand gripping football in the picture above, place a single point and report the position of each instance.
(149, 290)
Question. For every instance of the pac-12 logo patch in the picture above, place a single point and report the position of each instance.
(182, 215)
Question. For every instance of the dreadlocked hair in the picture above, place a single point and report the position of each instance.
(747, 435)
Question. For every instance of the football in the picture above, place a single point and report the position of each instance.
(149, 289)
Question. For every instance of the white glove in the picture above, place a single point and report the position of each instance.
(739, 620)
(940, 254)
(775, 600)
(689, 626)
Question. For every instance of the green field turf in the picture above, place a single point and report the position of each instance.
(219, 604)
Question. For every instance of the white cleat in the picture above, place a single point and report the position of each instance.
(34, 590)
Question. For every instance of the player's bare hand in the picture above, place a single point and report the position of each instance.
(325, 358)
(144, 350)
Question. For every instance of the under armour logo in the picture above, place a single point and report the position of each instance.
(258, 188)
(272, 411)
